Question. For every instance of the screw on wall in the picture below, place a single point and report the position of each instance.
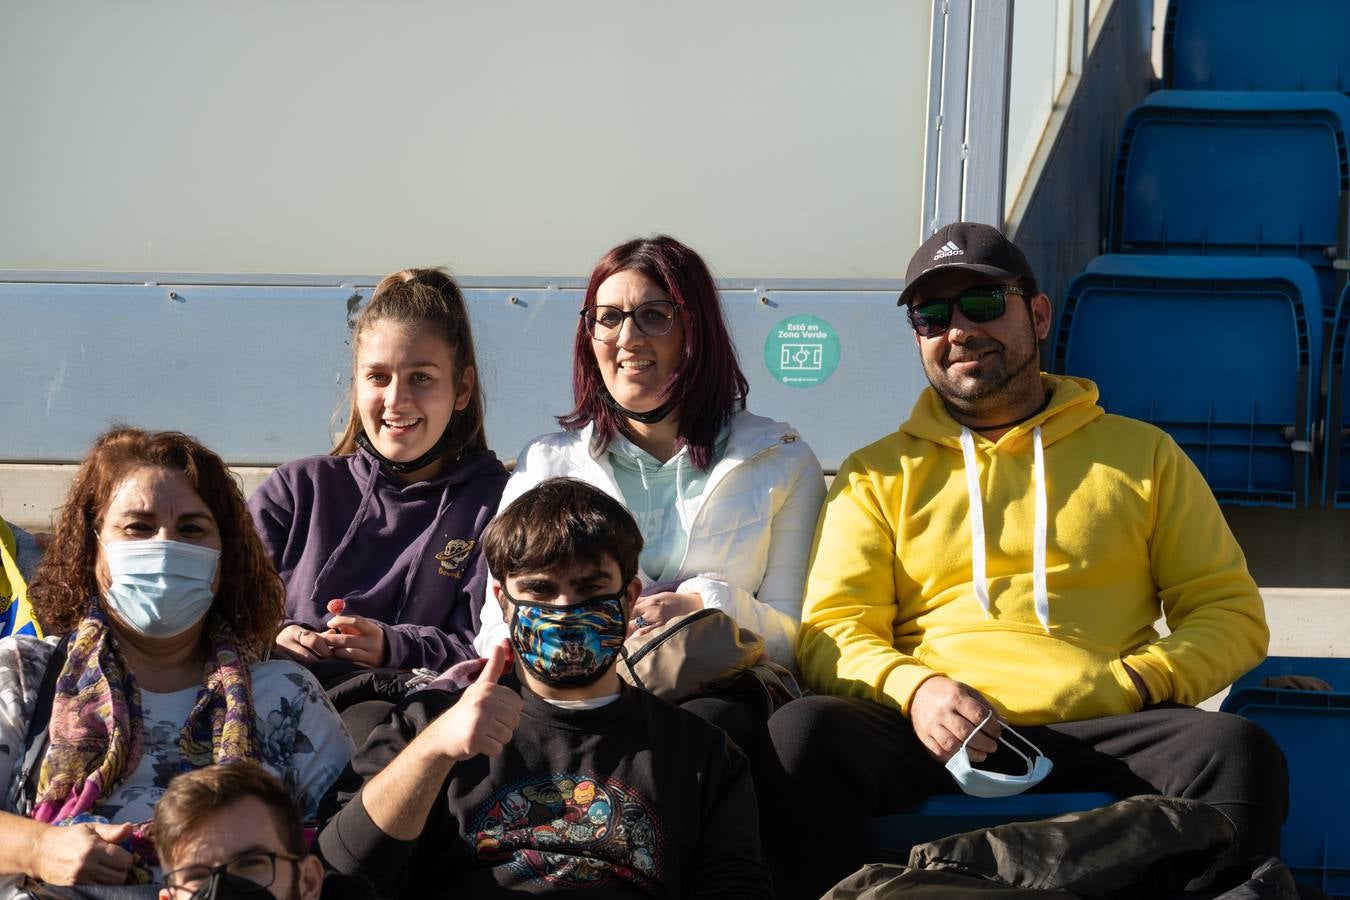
(174, 295)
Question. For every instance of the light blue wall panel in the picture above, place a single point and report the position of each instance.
(872, 390)
(525, 358)
(257, 371)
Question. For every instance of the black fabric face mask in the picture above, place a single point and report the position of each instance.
(436, 452)
(224, 887)
(648, 418)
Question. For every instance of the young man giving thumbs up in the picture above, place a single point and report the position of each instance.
(548, 774)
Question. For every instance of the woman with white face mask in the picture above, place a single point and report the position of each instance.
(168, 603)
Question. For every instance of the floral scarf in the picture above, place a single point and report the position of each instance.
(96, 729)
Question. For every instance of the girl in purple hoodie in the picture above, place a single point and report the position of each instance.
(378, 542)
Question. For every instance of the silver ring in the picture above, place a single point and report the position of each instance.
(641, 621)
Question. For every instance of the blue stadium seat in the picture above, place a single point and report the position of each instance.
(947, 814)
(1334, 670)
(1238, 174)
(1313, 729)
(1222, 353)
(1257, 45)
(1336, 468)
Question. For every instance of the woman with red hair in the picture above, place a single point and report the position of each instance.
(726, 500)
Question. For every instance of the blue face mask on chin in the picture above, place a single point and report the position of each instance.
(159, 588)
(980, 783)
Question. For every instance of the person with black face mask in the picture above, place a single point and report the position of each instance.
(233, 831)
(547, 771)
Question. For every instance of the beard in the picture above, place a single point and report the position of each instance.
(995, 380)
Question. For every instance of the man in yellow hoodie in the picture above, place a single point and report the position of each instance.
(1001, 561)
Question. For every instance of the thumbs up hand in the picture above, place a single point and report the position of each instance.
(486, 715)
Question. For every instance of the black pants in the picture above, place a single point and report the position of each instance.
(742, 723)
(846, 760)
(745, 724)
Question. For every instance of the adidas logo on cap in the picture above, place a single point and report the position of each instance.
(946, 250)
(971, 246)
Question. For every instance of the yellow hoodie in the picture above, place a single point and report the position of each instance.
(1130, 529)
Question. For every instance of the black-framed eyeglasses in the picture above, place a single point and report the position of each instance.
(253, 871)
(979, 304)
(653, 318)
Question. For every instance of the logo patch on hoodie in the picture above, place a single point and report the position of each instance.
(453, 556)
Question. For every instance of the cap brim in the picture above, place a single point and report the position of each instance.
(977, 268)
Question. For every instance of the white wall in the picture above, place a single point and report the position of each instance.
(783, 138)
(1040, 65)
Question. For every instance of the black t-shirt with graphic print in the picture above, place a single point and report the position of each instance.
(635, 799)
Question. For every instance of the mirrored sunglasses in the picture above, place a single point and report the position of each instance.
(979, 305)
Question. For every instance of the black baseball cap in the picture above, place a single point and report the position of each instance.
(971, 247)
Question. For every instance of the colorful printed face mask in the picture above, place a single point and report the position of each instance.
(568, 646)
(160, 588)
(979, 783)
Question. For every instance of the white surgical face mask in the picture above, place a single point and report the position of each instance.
(979, 783)
(160, 588)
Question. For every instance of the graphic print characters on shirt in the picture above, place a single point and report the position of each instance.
(571, 830)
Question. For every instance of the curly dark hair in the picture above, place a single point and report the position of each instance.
(251, 598)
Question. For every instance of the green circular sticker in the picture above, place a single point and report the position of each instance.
(802, 351)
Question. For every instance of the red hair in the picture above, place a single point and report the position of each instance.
(707, 385)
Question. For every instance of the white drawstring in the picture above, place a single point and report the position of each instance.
(679, 489)
(1038, 549)
(978, 571)
(646, 488)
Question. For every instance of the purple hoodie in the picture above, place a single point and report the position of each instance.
(407, 556)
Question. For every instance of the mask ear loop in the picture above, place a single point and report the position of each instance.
(1010, 730)
(1021, 737)
(978, 729)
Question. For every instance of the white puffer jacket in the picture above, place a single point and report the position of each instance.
(749, 538)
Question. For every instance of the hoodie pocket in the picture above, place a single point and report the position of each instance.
(1033, 677)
